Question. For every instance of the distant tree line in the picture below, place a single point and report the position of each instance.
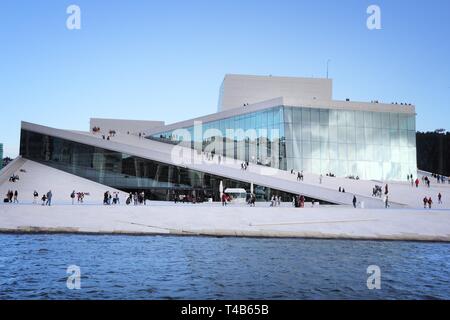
(433, 150)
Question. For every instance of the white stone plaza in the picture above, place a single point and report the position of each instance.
(212, 219)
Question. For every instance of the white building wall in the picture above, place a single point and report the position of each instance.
(237, 90)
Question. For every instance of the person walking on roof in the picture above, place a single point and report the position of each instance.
(386, 201)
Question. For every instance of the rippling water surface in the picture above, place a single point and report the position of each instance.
(154, 267)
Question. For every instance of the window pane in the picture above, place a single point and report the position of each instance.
(315, 116)
(385, 121)
(324, 117)
(297, 115)
(351, 137)
(306, 115)
(393, 120)
(333, 134)
(376, 120)
(350, 118)
(359, 119)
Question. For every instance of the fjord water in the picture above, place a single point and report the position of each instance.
(165, 267)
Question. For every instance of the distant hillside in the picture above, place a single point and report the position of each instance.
(433, 152)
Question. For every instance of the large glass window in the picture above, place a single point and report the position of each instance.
(363, 139)
(160, 181)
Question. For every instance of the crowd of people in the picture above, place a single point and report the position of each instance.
(186, 198)
(109, 198)
(299, 174)
(440, 178)
(244, 165)
(428, 201)
(377, 191)
(299, 201)
(209, 156)
(137, 198)
(426, 180)
(111, 133)
(79, 196)
(46, 199)
(14, 178)
(275, 201)
(11, 197)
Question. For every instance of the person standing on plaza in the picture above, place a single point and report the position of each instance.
(35, 196)
(72, 196)
(44, 199)
(302, 201)
(49, 198)
(224, 199)
(135, 198)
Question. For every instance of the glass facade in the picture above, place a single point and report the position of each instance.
(368, 145)
(254, 137)
(129, 173)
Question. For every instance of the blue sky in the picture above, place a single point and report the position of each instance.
(165, 60)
